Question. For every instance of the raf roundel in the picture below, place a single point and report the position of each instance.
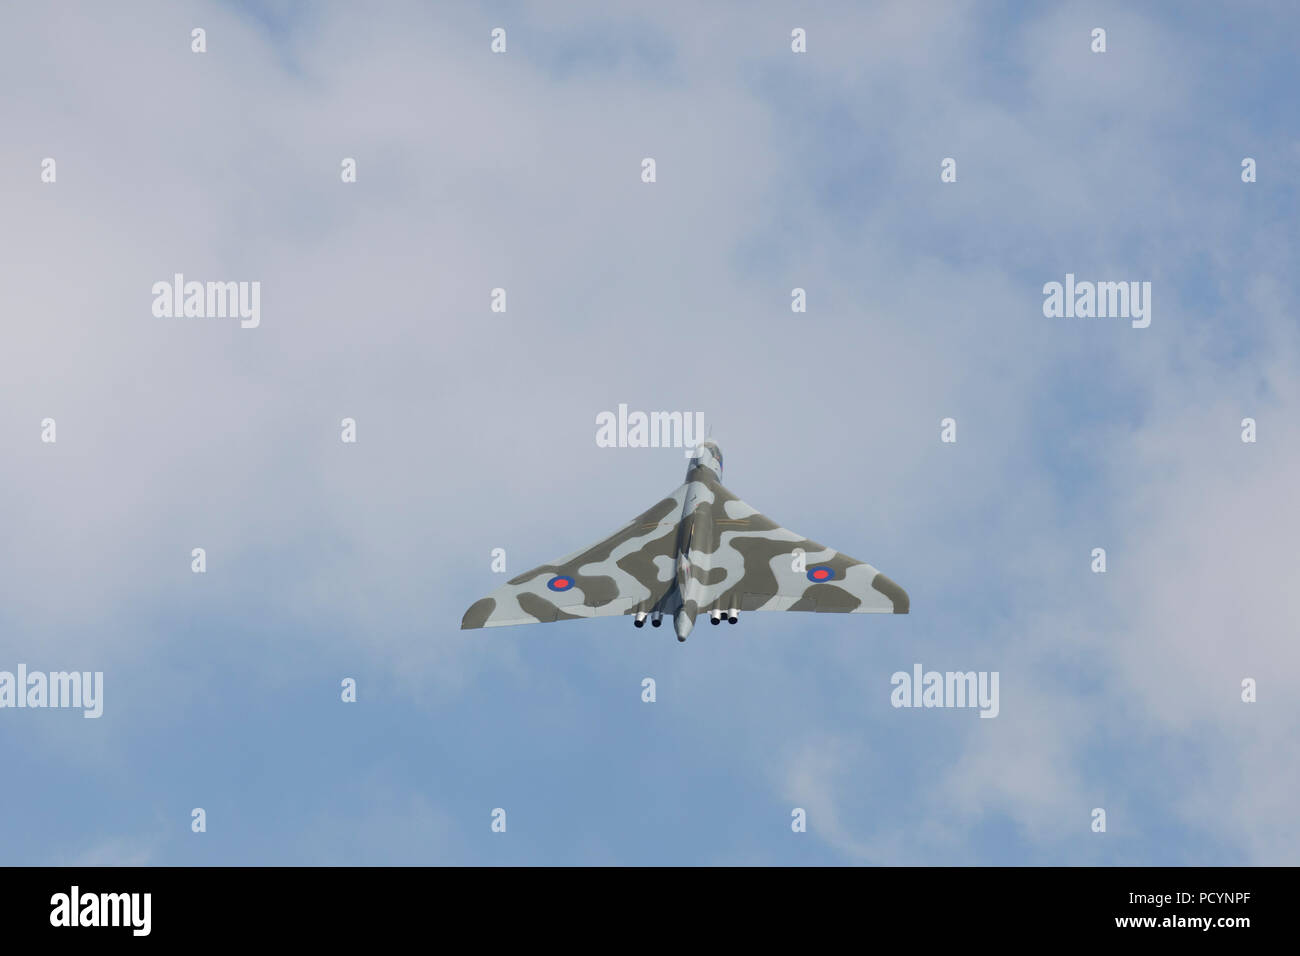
(561, 583)
(821, 573)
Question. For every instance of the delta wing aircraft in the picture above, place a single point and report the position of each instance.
(699, 549)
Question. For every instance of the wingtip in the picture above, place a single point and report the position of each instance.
(902, 604)
(478, 614)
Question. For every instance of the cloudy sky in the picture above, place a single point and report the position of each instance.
(775, 171)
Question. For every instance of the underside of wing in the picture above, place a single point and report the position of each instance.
(629, 571)
(757, 565)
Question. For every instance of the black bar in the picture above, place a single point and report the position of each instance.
(653, 905)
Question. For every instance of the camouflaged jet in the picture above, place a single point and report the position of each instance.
(701, 548)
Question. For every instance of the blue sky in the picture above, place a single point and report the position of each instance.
(476, 430)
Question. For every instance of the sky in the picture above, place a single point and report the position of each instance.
(326, 560)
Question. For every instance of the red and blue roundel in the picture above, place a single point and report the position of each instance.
(821, 573)
(560, 583)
